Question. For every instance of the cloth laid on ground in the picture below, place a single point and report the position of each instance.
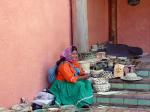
(122, 50)
(43, 98)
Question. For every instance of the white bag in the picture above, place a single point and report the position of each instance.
(43, 98)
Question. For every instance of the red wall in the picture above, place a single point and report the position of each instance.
(32, 35)
(134, 24)
(97, 21)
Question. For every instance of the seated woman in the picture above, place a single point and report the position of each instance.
(71, 86)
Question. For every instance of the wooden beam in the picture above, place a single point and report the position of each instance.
(113, 21)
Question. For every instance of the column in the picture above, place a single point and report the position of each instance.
(80, 25)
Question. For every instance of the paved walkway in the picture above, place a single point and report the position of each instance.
(114, 109)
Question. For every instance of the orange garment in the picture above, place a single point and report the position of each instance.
(67, 73)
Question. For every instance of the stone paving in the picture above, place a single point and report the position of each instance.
(114, 109)
(92, 109)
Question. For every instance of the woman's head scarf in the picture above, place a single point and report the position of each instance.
(67, 54)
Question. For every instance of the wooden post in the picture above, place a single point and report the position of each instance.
(113, 21)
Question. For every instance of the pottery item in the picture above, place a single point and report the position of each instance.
(100, 55)
(122, 58)
(88, 55)
(92, 61)
(118, 70)
(95, 47)
(85, 66)
(126, 70)
(132, 68)
(110, 63)
(102, 64)
(97, 67)
(101, 46)
(111, 57)
(93, 50)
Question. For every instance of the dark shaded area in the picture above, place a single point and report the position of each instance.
(122, 50)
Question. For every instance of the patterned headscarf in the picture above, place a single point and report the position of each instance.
(67, 54)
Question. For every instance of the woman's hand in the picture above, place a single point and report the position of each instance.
(88, 74)
(84, 77)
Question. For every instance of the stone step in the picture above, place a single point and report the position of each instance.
(145, 73)
(142, 85)
(123, 98)
(118, 109)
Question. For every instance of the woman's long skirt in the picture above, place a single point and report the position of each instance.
(78, 94)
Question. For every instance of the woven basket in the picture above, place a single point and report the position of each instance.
(102, 87)
(100, 80)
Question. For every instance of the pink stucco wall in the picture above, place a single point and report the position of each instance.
(134, 24)
(97, 21)
(32, 35)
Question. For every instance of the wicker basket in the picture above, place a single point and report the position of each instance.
(100, 80)
(101, 87)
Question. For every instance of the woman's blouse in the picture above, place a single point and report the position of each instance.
(67, 72)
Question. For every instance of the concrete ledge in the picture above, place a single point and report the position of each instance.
(129, 95)
(143, 81)
(130, 99)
